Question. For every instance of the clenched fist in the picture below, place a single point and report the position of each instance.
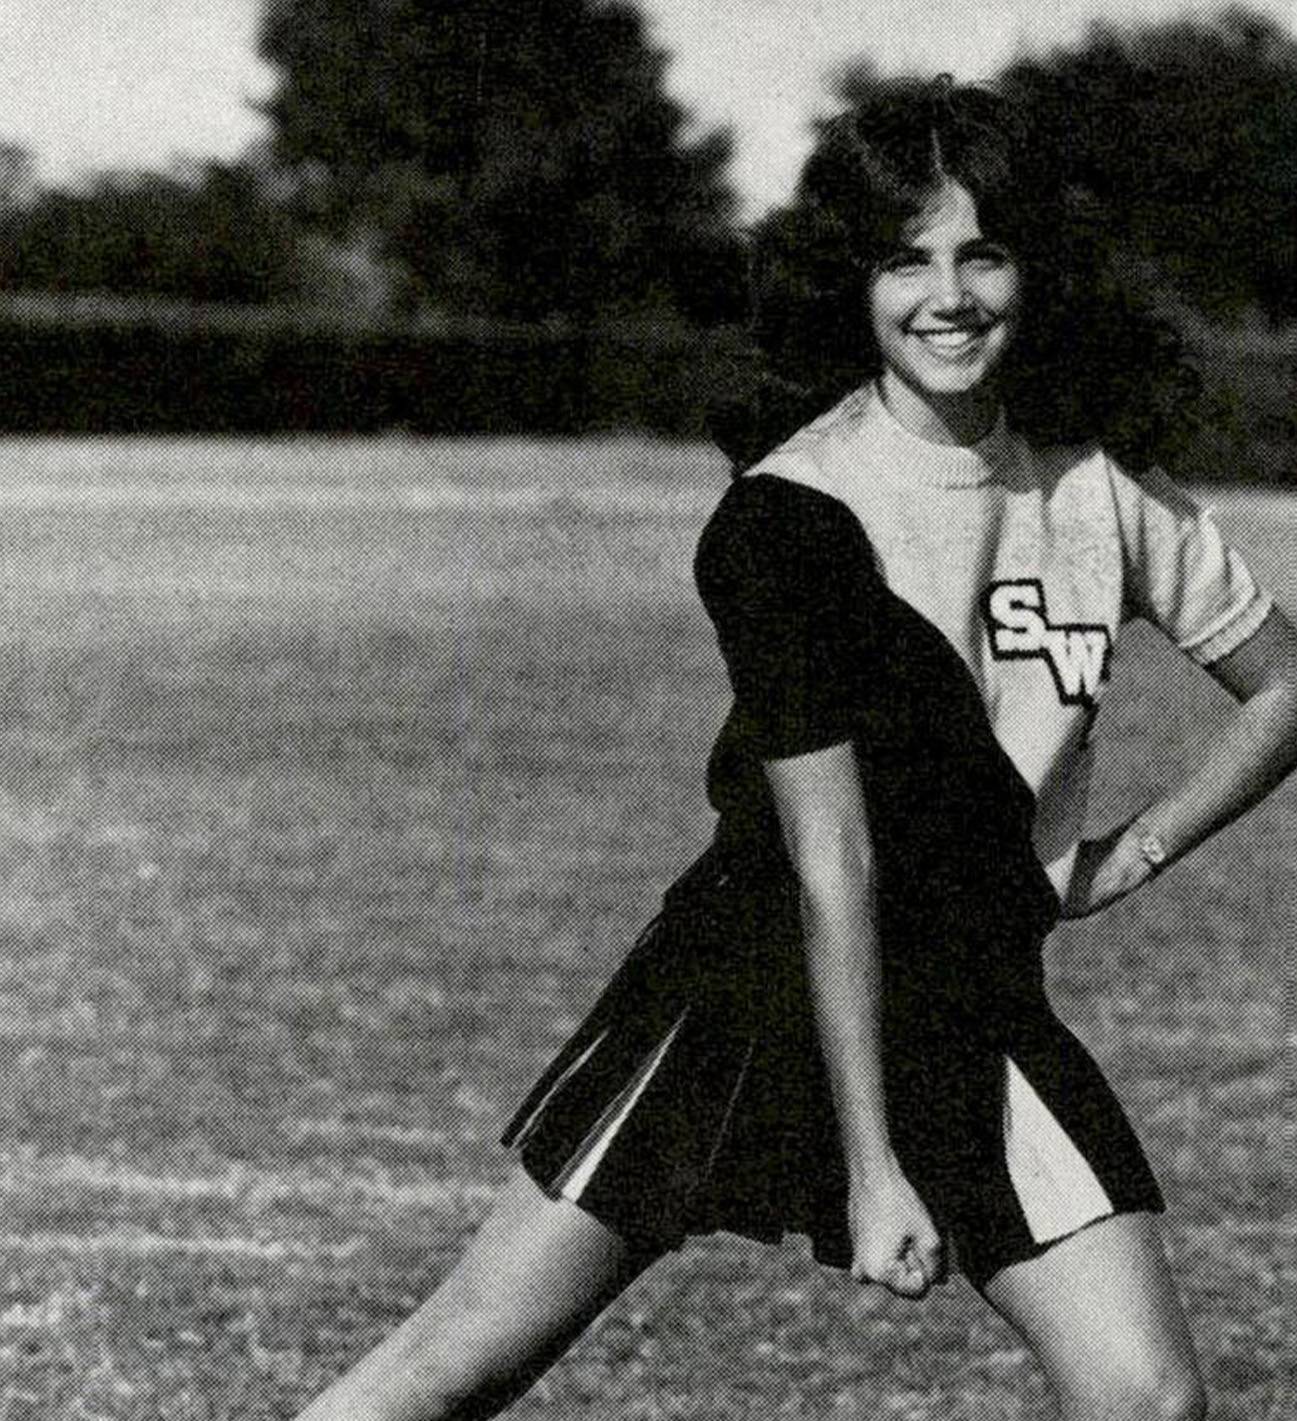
(894, 1241)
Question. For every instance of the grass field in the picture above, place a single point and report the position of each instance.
(336, 778)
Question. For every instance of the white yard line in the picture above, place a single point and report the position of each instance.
(25, 1173)
(690, 500)
(351, 1133)
(141, 1243)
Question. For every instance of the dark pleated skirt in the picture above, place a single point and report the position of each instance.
(694, 1098)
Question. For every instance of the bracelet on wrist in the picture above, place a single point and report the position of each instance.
(1152, 847)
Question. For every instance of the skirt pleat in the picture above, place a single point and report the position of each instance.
(694, 1097)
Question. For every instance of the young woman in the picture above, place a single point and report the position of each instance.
(837, 1024)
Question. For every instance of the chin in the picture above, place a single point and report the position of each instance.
(942, 384)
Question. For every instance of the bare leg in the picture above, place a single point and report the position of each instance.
(537, 1272)
(1102, 1316)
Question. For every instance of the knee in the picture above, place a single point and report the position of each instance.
(402, 1384)
(1177, 1395)
(456, 1360)
(1167, 1392)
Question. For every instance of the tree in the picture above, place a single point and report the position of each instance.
(1186, 132)
(17, 177)
(518, 156)
(211, 235)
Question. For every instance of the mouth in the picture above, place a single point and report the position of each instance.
(951, 340)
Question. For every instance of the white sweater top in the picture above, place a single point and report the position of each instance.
(1030, 561)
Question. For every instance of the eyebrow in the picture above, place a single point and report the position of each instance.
(907, 249)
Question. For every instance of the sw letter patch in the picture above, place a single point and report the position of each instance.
(1077, 653)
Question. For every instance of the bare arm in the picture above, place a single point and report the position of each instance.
(787, 577)
(826, 828)
(1254, 752)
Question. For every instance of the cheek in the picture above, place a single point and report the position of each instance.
(1005, 297)
(887, 308)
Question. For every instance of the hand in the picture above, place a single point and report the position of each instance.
(893, 1238)
(1106, 869)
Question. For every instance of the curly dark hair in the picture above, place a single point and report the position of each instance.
(1088, 362)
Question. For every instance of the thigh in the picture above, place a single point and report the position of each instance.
(537, 1270)
(533, 1277)
(1103, 1317)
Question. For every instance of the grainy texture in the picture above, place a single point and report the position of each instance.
(337, 776)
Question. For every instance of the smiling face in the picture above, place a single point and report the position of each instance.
(944, 308)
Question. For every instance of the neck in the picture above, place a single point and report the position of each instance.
(962, 418)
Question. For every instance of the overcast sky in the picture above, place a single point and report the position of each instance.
(89, 84)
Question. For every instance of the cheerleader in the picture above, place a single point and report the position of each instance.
(837, 1024)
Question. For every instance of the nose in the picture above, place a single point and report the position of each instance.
(949, 290)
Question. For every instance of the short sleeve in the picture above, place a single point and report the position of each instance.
(779, 572)
(1181, 574)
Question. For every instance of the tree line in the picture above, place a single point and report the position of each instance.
(522, 160)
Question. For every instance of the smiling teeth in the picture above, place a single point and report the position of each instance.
(948, 340)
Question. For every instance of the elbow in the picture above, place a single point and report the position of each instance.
(1286, 697)
(1288, 703)
(1270, 727)
(834, 869)
(1280, 699)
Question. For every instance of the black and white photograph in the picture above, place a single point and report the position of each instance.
(648, 694)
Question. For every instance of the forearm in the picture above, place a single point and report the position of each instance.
(1254, 753)
(845, 973)
(827, 833)
(826, 828)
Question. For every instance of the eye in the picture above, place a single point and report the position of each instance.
(988, 256)
(901, 261)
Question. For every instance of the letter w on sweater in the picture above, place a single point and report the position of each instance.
(1078, 654)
